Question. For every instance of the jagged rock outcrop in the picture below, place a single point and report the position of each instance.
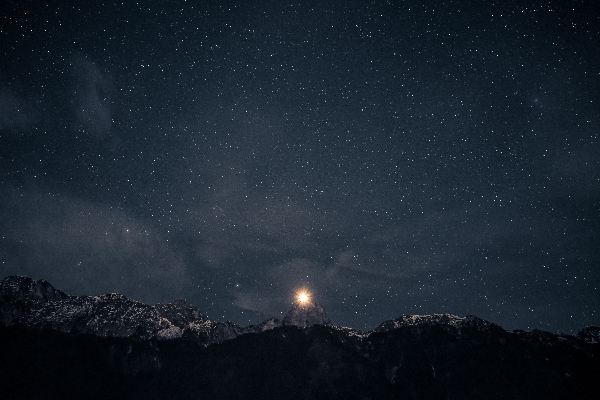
(590, 334)
(19, 294)
(306, 315)
(301, 316)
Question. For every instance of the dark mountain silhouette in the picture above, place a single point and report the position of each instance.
(57, 346)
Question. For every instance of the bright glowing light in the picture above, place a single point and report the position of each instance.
(303, 297)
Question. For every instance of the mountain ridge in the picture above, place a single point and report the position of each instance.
(38, 304)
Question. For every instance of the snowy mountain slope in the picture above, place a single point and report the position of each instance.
(38, 304)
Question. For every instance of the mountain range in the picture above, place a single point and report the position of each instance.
(53, 345)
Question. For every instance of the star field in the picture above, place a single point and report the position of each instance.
(390, 157)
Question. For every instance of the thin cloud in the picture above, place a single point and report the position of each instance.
(91, 98)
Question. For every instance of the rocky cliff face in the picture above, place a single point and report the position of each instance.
(306, 315)
(38, 304)
(19, 295)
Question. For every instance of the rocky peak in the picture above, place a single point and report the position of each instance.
(19, 295)
(591, 334)
(306, 315)
(24, 288)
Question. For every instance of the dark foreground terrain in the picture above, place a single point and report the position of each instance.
(412, 357)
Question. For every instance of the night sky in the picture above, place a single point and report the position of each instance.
(392, 157)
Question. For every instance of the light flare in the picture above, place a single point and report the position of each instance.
(303, 297)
